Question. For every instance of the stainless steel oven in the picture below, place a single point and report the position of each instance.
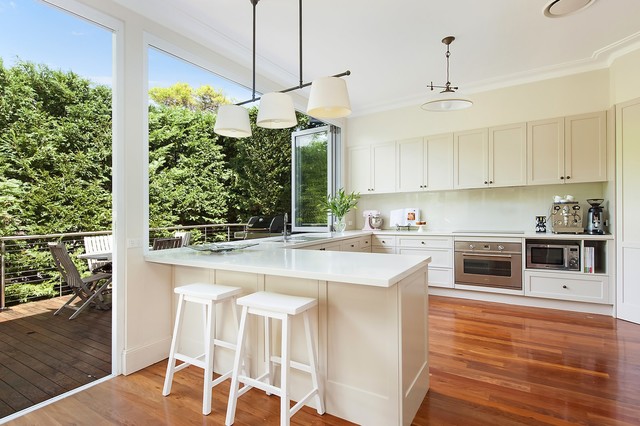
(489, 264)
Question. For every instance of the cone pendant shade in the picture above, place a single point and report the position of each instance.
(329, 98)
(276, 111)
(232, 121)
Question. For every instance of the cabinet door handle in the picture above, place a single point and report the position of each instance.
(323, 249)
(568, 177)
(485, 182)
(564, 286)
(490, 181)
(422, 242)
(561, 177)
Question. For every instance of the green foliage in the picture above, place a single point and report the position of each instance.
(24, 292)
(340, 204)
(312, 168)
(204, 98)
(187, 172)
(55, 151)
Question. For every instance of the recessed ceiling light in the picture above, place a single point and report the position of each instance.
(560, 8)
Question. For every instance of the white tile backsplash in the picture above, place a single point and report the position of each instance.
(500, 209)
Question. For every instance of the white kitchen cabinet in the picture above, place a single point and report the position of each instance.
(491, 157)
(507, 155)
(567, 149)
(372, 169)
(471, 161)
(577, 287)
(440, 248)
(425, 163)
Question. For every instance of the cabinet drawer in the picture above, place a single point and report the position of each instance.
(384, 240)
(350, 245)
(440, 277)
(440, 258)
(425, 242)
(386, 250)
(578, 287)
(365, 242)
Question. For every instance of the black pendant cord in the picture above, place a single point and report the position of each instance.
(300, 39)
(290, 89)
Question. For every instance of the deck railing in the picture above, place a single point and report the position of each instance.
(25, 259)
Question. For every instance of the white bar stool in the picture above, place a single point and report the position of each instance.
(207, 295)
(282, 307)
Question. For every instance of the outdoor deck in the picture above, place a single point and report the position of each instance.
(42, 355)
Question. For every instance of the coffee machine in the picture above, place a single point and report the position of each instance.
(595, 216)
(566, 218)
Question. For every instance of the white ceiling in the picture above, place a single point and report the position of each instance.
(393, 48)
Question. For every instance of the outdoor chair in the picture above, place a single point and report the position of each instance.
(167, 243)
(98, 244)
(90, 290)
(185, 235)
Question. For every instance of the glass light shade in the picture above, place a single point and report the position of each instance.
(329, 98)
(276, 111)
(232, 121)
(447, 101)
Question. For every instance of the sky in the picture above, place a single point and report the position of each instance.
(35, 31)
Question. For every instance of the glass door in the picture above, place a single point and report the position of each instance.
(313, 175)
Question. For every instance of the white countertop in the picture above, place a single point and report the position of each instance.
(269, 258)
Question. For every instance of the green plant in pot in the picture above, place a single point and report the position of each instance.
(339, 205)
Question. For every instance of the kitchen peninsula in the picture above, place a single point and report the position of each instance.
(371, 322)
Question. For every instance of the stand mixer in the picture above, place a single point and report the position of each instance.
(372, 220)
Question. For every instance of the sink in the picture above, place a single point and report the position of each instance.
(300, 238)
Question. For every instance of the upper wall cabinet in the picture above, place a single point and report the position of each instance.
(372, 169)
(570, 149)
(470, 152)
(491, 157)
(425, 164)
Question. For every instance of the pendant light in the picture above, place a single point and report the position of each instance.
(276, 111)
(448, 99)
(232, 121)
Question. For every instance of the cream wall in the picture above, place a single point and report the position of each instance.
(625, 80)
(491, 208)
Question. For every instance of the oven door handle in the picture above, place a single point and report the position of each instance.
(504, 256)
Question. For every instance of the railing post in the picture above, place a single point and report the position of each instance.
(2, 283)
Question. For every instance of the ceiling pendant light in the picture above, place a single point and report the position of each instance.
(329, 98)
(276, 110)
(448, 99)
(232, 121)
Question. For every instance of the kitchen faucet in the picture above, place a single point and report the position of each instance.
(285, 235)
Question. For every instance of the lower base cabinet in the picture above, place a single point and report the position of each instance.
(440, 248)
(577, 287)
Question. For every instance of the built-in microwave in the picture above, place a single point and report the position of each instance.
(551, 255)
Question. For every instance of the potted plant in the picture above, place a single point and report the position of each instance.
(339, 205)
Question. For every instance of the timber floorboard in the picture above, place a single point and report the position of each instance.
(43, 356)
(490, 364)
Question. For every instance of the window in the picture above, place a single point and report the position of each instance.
(314, 174)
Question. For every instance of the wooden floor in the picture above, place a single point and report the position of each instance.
(491, 364)
(42, 355)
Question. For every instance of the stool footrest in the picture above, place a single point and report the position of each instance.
(197, 361)
(258, 383)
(300, 403)
(221, 379)
(293, 364)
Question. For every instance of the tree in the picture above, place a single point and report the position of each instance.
(55, 150)
(204, 98)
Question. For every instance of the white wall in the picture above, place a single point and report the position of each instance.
(625, 83)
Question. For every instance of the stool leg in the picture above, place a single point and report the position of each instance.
(285, 412)
(267, 351)
(175, 343)
(210, 324)
(233, 390)
(313, 364)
